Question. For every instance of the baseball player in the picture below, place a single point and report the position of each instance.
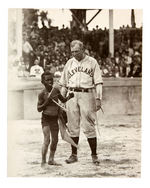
(82, 76)
(46, 105)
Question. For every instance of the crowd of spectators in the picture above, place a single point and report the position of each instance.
(48, 48)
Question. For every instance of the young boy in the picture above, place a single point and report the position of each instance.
(49, 118)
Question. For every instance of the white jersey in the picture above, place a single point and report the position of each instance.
(36, 70)
(81, 74)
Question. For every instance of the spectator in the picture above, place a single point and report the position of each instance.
(131, 51)
(36, 70)
(116, 72)
(128, 61)
(117, 58)
(27, 48)
(27, 66)
(122, 67)
(137, 68)
(56, 43)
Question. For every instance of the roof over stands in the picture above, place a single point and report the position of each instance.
(79, 17)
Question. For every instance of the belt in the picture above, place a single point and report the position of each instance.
(81, 89)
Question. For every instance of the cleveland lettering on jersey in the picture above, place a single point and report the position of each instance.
(88, 71)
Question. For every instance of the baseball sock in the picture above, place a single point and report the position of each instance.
(74, 149)
(93, 145)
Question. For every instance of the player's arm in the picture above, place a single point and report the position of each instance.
(41, 105)
(65, 99)
(99, 88)
(98, 96)
(98, 85)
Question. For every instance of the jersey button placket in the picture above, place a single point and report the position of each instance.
(79, 77)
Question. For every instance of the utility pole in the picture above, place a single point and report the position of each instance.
(111, 33)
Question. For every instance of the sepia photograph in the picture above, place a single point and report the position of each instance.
(74, 92)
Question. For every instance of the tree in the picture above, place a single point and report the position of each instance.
(43, 16)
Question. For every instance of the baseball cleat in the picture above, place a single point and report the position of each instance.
(72, 159)
(95, 160)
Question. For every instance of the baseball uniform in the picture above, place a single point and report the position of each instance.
(84, 79)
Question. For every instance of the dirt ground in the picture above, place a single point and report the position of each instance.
(119, 150)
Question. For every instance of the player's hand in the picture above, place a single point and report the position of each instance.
(98, 104)
(71, 95)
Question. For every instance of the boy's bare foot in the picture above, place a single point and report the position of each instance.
(43, 164)
(54, 163)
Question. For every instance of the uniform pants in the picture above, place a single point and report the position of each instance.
(81, 111)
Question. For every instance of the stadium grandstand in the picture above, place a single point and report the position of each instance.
(50, 45)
